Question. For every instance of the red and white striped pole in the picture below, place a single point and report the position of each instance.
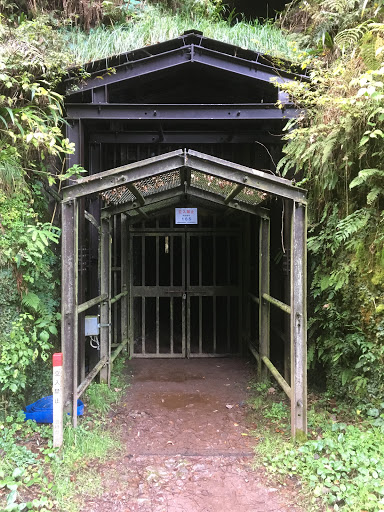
(57, 391)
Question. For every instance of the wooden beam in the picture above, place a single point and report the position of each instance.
(277, 303)
(91, 375)
(264, 279)
(299, 322)
(91, 219)
(140, 198)
(234, 192)
(277, 375)
(90, 303)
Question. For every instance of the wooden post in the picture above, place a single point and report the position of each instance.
(68, 301)
(287, 205)
(124, 276)
(264, 306)
(299, 322)
(245, 263)
(105, 245)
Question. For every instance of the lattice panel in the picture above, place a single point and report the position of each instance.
(251, 196)
(155, 184)
(119, 195)
(211, 183)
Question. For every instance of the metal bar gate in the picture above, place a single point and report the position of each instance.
(185, 293)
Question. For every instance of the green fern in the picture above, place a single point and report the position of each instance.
(351, 36)
(368, 49)
(33, 301)
(349, 226)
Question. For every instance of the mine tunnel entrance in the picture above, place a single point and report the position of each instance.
(186, 298)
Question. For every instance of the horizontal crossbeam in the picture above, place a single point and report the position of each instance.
(175, 112)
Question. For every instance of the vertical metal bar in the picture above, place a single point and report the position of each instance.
(157, 238)
(68, 311)
(186, 329)
(76, 316)
(200, 237)
(228, 324)
(124, 255)
(131, 327)
(214, 323)
(299, 322)
(239, 285)
(200, 260)
(143, 347)
(264, 306)
(171, 245)
(200, 324)
(104, 288)
(157, 324)
(109, 330)
(246, 320)
(114, 288)
(171, 325)
(157, 260)
(214, 259)
(228, 265)
(143, 260)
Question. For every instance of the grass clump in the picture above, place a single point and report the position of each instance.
(157, 25)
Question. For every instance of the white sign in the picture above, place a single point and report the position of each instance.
(185, 215)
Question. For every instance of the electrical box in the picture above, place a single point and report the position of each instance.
(91, 326)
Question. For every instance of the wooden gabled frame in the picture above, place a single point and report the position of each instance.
(184, 162)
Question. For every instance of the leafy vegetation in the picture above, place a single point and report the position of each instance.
(34, 476)
(335, 151)
(339, 467)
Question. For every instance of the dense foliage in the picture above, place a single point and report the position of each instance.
(335, 150)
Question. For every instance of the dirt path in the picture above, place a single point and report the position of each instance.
(186, 444)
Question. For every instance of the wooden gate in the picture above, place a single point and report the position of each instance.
(185, 293)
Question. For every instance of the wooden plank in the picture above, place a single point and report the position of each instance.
(299, 322)
(264, 278)
(119, 296)
(278, 303)
(68, 311)
(90, 303)
(104, 290)
(91, 375)
(119, 349)
(277, 375)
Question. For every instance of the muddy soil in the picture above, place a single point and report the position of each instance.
(186, 443)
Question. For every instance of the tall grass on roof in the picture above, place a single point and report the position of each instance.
(156, 25)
